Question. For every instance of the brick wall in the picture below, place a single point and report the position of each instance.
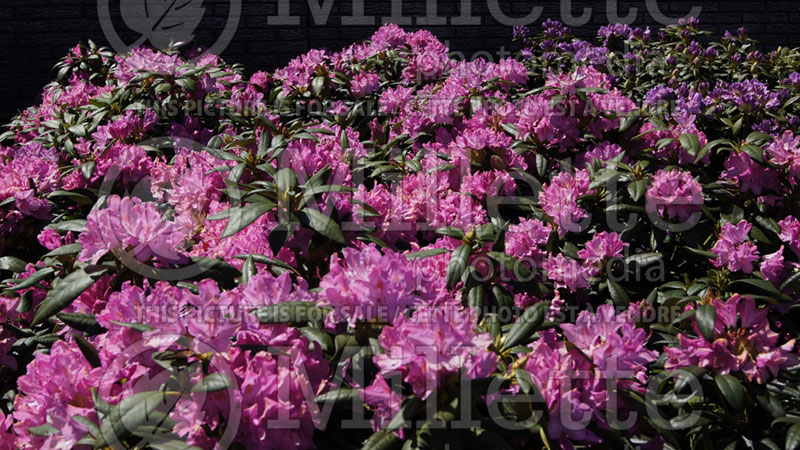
(34, 34)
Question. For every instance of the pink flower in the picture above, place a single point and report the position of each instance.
(430, 347)
(528, 239)
(790, 233)
(366, 285)
(603, 246)
(559, 200)
(743, 343)
(773, 268)
(785, 151)
(675, 194)
(609, 353)
(750, 175)
(733, 250)
(612, 341)
(364, 83)
(568, 273)
(128, 225)
(55, 388)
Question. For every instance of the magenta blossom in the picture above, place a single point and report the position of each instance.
(743, 343)
(366, 285)
(559, 200)
(675, 194)
(130, 226)
(430, 348)
(733, 250)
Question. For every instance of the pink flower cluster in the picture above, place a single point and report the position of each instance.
(743, 343)
(129, 226)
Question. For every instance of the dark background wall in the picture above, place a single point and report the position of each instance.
(34, 34)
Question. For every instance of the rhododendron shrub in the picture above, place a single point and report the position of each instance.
(591, 244)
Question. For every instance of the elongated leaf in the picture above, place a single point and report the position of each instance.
(213, 383)
(382, 440)
(69, 249)
(286, 179)
(80, 322)
(242, 217)
(527, 324)
(426, 253)
(342, 395)
(706, 317)
(690, 142)
(511, 263)
(64, 293)
(458, 264)
(12, 264)
(75, 226)
(32, 280)
(637, 189)
(278, 236)
(89, 351)
(452, 232)
(793, 437)
(618, 294)
(732, 390)
(410, 408)
(324, 225)
(756, 286)
(132, 413)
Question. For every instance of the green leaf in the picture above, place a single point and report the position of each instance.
(458, 264)
(278, 237)
(89, 351)
(132, 413)
(733, 391)
(248, 271)
(453, 232)
(324, 225)
(64, 293)
(644, 259)
(637, 189)
(318, 84)
(382, 440)
(629, 121)
(319, 337)
(68, 225)
(12, 264)
(74, 196)
(511, 263)
(213, 383)
(526, 325)
(80, 322)
(706, 317)
(69, 249)
(43, 430)
(756, 286)
(793, 437)
(286, 179)
(476, 298)
(32, 280)
(524, 380)
(426, 253)
(618, 294)
(140, 327)
(244, 216)
(789, 281)
(690, 142)
(343, 395)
